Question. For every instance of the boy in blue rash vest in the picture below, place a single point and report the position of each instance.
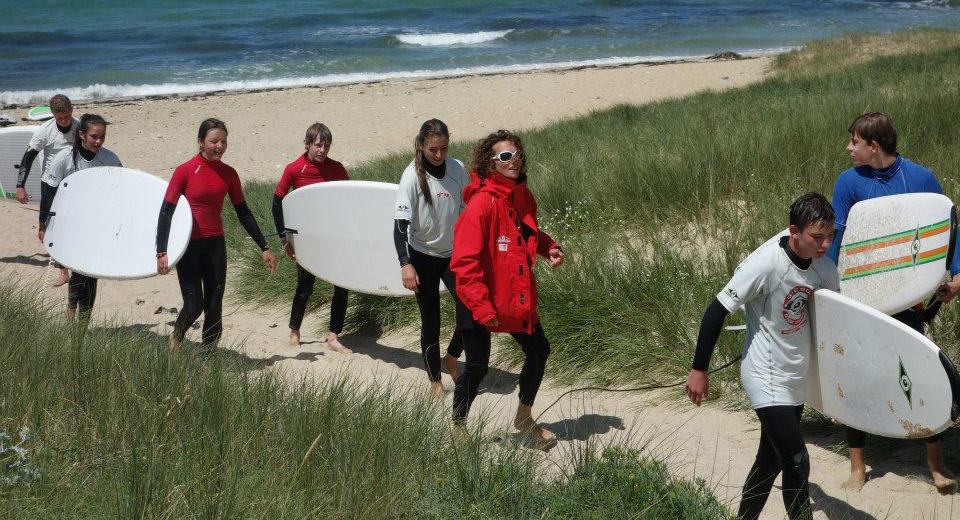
(774, 285)
(878, 170)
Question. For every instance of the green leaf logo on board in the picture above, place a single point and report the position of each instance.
(905, 384)
(915, 247)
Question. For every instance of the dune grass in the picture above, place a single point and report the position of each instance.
(113, 426)
(657, 204)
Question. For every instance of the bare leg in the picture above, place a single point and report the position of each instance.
(942, 478)
(71, 315)
(450, 363)
(334, 341)
(63, 278)
(174, 344)
(436, 388)
(525, 423)
(294, 338)
(858, 471)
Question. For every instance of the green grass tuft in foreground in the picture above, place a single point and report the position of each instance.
(657, 204)
(113, 426)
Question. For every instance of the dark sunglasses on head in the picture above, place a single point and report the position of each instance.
(507, 156)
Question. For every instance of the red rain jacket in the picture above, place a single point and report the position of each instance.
(492, 261)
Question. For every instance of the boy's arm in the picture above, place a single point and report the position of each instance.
(698, 381)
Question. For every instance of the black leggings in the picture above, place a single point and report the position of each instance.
(431, 270)
(857, 438)
(476, 341)
(202, 273)
(781, 449)
(338, 306)
(81, 293)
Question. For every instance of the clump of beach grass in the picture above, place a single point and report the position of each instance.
(111, 425)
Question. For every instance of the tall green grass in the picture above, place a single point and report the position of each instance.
(656, 204)
(113, 426)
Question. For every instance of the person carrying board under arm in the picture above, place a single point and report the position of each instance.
(87, 152)
(878, 170)
(311, 167)
(775, 286)
(50, 138)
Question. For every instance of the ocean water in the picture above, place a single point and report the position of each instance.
(109, 48)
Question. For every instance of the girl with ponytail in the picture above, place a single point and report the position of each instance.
(87, 152)
(428, 205)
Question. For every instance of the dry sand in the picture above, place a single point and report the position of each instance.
(372, 119)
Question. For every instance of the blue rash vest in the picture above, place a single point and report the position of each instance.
(865, 182)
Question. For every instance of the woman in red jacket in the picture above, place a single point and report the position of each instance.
(496, 241)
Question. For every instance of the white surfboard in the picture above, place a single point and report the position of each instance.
(344, 234)
(13, 142)
(39, 113)
(873, 373)
(104, 223)
(895, 250)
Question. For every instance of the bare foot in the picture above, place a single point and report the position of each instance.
(174, 344)
(71, 315)
(450, 363)
(436, 388)
(63, 278)
(459, 433)
(334, 342)
(294, 338)
(525, 423)
(942, 477)
(856, 481)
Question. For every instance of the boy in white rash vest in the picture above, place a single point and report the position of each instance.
(50, 138)
(775, 285)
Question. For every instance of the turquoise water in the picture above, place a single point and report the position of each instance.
(101, 48)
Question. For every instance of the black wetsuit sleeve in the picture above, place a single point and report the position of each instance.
(277, 210)
(710, 327)
(47, 193)
(400, 240)
(249, 222)
(163, 225)
(25, 164)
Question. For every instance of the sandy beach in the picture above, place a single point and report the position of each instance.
(369, 120)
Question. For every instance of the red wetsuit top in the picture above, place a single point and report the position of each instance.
(304, 172)
(204, 184)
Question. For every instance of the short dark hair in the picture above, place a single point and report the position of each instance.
(876, 126)
(60, 103)
(810, 208)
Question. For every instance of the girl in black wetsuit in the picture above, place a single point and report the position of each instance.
(428, 204)
(205, 180)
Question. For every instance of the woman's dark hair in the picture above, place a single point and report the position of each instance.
(811, 208)
(483, 153)
(210, 124)
(86, 121)
(429, 128)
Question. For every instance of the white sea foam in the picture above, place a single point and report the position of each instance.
(100, 91)
(449, 39)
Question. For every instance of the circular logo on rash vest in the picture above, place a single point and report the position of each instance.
(795, 308)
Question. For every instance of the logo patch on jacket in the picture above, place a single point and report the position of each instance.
(503, 242)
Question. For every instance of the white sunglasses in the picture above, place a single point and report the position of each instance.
(507, 156)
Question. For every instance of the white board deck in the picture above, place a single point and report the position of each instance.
(873, 373)
(345, 234)
(13, 142)
(895, 249)
(105, 223)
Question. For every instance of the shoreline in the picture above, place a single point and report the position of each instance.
(414, 75)
(370, 120)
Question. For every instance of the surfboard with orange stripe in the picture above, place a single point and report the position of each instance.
(896, 249)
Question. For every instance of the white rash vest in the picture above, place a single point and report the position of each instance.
(431, 226)
(49, 140)
(776, 295)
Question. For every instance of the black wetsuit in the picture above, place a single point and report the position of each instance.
(431, 271)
